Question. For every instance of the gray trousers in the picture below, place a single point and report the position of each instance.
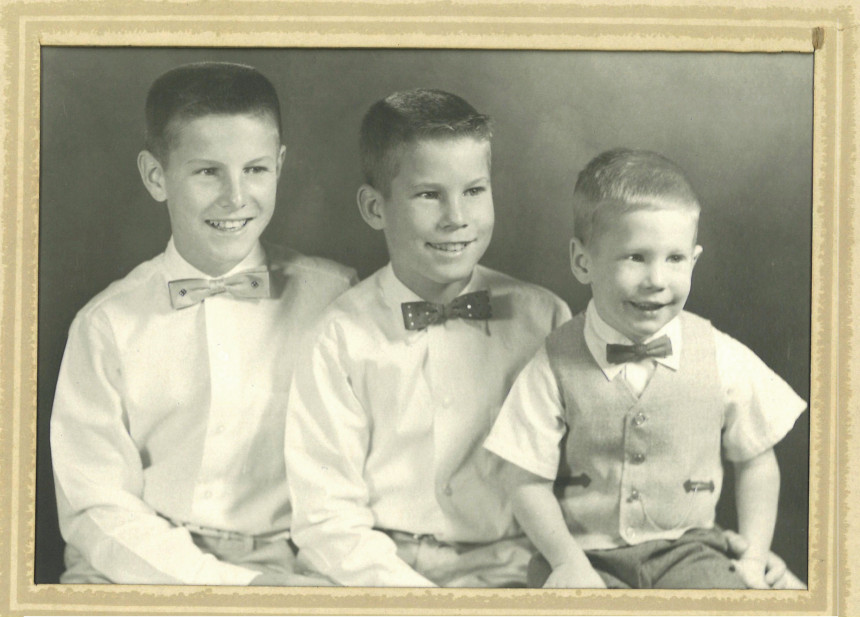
(697, 560)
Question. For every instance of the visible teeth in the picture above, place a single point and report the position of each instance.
(450, 247)
(224, 225)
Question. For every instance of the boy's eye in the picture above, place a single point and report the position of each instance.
(428, 195)
(635, 257)
(475, 190)
(676, 259)
(207, 171)
(256, 169)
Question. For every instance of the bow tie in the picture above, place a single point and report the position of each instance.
(419, 315)
(247, 284)
(658, 348)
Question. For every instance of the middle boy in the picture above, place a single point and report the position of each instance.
(408, 370)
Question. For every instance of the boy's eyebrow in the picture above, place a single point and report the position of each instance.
(203, 161)
(433, 184)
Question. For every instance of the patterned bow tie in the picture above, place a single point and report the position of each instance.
(419, 315)
(248, 284)
(658, 348)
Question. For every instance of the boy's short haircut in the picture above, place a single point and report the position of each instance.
(194, 90)
(403, 118)
(622, 180)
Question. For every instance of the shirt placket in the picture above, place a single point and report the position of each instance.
(222, 336)
(442, 407)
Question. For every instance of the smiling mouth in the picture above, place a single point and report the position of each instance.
(449, 247)
(227, 225)
(647, 306)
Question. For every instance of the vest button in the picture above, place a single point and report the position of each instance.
(638, 458)
(639, 419)
(634, 495)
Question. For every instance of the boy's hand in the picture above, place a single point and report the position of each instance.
(574, 576)
(776, 574)
(752, 571)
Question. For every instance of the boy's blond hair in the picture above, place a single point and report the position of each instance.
(202, 88)
(403, 118)
(622, 180)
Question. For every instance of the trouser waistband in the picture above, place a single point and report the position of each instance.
(224, 534)
(426, 538)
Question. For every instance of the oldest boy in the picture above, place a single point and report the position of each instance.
(614, 431)
(167, 426)
(388, 411)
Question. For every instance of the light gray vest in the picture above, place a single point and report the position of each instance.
(633, 469)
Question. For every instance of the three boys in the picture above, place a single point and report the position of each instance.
(167, 426)
(404, 377)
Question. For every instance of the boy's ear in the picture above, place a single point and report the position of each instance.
(281, 154)
(152, 174)
(697, 250)
(370, 204)
(580, 262)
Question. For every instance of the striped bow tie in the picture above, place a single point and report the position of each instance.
(658, 348)
(419, 315)
(247, 284)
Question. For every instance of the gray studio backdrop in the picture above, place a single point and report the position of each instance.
(740, 124)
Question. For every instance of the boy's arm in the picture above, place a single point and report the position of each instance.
(326, 447)
(540, 516)
(760, 409)
(757, 497)
(527, 436)
(99, 476)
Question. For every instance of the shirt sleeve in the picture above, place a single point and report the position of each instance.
(99, 476)
(327, 442)
(530, 425)
(760, 406)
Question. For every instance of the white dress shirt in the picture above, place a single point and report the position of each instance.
(385, 425)
(166, 416)
(760, 408)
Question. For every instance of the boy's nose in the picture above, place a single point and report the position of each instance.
(453, 213)
(234, 193)
(656, 276)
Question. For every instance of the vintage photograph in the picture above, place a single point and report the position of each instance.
(412, 317)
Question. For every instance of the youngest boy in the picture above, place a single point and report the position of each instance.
(167, 426)
(613, 432)
(388, 411)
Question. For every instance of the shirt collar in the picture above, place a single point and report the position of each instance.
(394, 293)
(598, 334)
(176, 267)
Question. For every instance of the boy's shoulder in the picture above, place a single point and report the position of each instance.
(534, 296)
(306, 267)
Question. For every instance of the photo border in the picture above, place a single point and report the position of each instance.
(828, 30)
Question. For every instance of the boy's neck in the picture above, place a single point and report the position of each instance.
(255, 257)
(438, 293)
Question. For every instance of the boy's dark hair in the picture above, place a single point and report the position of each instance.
(403, 118)
(622, 180)
(194, 90)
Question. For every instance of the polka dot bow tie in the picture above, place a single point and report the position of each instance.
(248, 284)
(419, 315)
(658, 348)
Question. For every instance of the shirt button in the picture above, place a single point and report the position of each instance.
(639, 419)
(638, 458)
(448, 491)
(207, 495)
(634, 495)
